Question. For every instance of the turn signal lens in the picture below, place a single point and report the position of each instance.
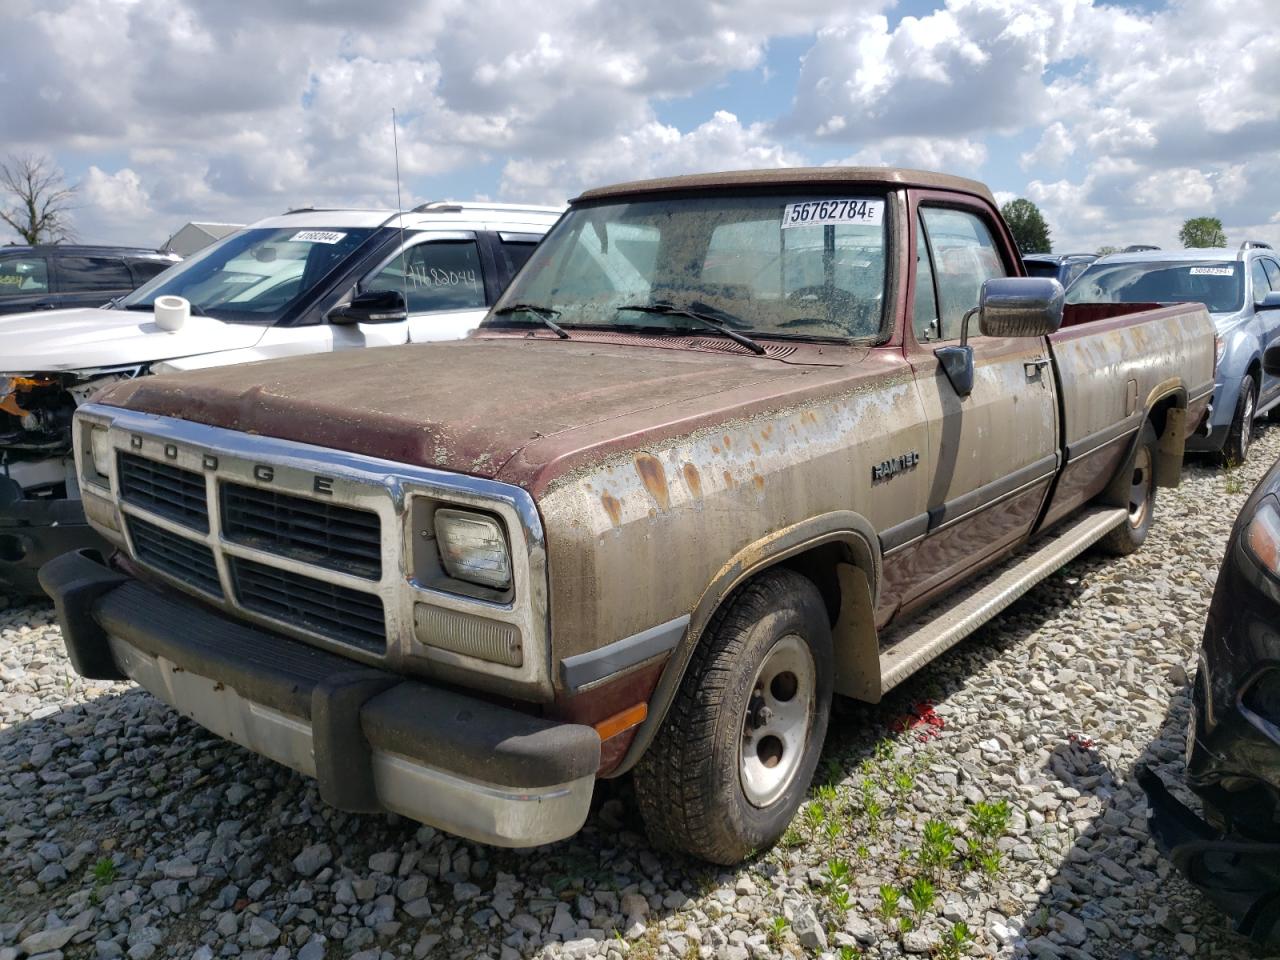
(1263, 536)
(473, 548)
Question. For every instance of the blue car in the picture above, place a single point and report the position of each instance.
(1241, 289)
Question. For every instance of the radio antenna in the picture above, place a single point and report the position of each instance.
(404, 253)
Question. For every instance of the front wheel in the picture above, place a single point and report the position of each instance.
(1240, 434)
(735, 755)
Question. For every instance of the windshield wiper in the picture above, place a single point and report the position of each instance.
(545, 314)
(702, 312)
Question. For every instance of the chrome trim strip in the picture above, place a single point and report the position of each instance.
(380, 486)
(584, 669)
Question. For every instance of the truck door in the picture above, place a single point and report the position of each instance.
(992, 455)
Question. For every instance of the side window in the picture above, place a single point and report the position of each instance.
(144, 270)
(20, 276)
(1261, 285)
(439, 275)
(964, 256)
(1273, 273)
(514, 255)
(924, 318)
(88, 274)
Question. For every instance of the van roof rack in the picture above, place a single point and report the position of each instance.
(1256, 245)
(1139, 248)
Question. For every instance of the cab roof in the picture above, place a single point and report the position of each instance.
(791, 178)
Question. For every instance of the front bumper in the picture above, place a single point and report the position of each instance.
(33, 532)
(1212, 434)
(1241, 877)
(374, 740)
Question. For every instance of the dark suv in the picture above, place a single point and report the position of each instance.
(48, 277)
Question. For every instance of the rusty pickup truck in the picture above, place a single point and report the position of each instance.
(729, 445)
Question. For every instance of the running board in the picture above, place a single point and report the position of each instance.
(944, 624)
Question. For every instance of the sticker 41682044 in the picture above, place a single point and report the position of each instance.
(316, 236)
(852, 210)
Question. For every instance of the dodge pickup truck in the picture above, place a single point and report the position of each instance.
(730, 444)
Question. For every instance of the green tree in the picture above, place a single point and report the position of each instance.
(1202, 232)
(1103, 251)
(1026, 222)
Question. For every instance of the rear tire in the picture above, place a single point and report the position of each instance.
(1133, 488)
(735, 755)
(1240, 435)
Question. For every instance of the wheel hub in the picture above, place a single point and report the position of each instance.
(1140, 487)
(776, 721)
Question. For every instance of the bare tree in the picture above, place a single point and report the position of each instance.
(36, 197)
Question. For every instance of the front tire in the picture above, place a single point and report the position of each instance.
(735, 755)
(1240, 435)
(1133, 488)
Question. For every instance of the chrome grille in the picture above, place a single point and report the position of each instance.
(350, 616)
(175, 555)
(172, 492)
(312, 531)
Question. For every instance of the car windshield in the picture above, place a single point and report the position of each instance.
(805, 267)
(1218, 284)
(253, 276)
(1041, 268)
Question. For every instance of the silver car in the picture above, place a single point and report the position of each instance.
(1241, 288)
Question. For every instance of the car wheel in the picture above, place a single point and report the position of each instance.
(1236, 449)
(1133, 488)
(735, 755)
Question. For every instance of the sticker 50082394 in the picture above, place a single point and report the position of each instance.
(810, 213)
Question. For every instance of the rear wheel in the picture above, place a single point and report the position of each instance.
(735, 755)
(1240, 434)
(1133, 488)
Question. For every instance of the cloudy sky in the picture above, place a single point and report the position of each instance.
(1119, 119)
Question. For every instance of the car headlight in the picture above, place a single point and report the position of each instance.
(1219, 345)
(473, 548)
(100, 451)
(1262, 536)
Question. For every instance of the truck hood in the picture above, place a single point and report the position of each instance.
(89, 338)
(467, 406)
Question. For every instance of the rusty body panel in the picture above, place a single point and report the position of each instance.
(667, 470)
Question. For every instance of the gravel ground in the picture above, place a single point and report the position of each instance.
(128, 831)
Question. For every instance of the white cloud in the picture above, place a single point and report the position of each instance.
(653, 150)
(1055, 147)
(958, 155)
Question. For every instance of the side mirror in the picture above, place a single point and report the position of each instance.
(1271, 359)
(372, 306)
(1270, 302)
(1020, 307)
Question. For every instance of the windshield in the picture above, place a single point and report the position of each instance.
(774, 266)
(254, 276)
(1041, 268)
(1217, 284)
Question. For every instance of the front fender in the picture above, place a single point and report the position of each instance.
(851, 531)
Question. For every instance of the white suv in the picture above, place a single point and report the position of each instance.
(310, 281)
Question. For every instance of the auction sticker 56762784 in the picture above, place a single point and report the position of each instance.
(811, 213)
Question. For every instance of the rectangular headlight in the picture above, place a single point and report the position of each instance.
(100, 452)
(473, 548)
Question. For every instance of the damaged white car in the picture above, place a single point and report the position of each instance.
(310, 281)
